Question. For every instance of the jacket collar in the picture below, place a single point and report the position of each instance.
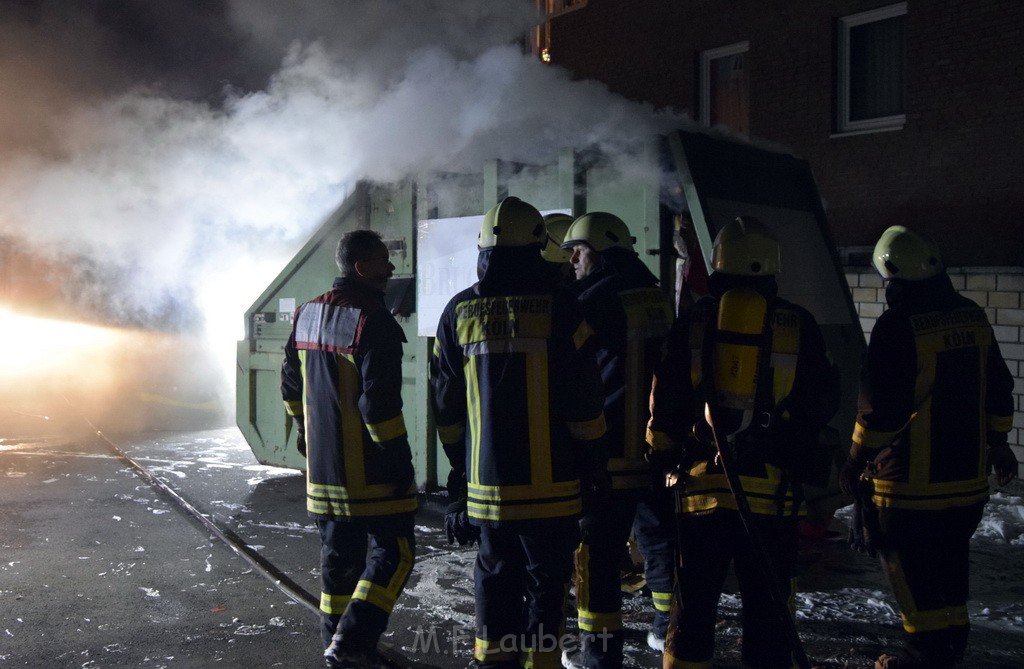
(358, 286)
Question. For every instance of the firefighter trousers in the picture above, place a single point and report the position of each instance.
(359, 588)
(655, 535)
(521, 575)
(925, 555)
(709, 543)
(604, 534)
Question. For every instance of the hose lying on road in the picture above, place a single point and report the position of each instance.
(266, 568)
(280, 580)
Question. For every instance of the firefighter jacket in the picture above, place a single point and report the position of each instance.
(797, 394)
(934, 392)
(516, 392)
(341, 380)
(630, 317)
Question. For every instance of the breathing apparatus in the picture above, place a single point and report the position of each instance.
(744, 247)
(736, 359)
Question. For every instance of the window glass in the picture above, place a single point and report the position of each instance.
(729, 100)
(876, 69)
(724, 96)
(869, 87)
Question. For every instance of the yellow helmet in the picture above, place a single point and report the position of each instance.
(903, 254)
(511, 222)
(600, 231)
(557, 225)
(746, 247)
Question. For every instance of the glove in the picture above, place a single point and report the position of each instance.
(457, 525)
(849, 476)
(677, 478)
(456, 484)
(301, 440)
(666, 470)
(663, 460)
(1003, 462)
(404, 479)
(595, 484)
(860, 538)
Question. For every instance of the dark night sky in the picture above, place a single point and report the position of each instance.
(189, 48)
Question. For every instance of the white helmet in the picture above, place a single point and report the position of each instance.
(745, 246)
(511, 222)
(901, 253)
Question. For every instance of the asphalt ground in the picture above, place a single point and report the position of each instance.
(99, 568)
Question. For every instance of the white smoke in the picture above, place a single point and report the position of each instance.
(206, 201)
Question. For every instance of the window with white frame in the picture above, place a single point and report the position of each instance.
(870, 70)
(724, 87)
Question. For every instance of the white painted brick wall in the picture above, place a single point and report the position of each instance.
(999, 290)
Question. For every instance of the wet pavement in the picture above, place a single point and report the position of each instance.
(100, 569)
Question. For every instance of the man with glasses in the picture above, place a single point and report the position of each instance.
(341, 381)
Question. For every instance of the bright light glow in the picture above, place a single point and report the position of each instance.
(227, 293)
(119, 378)
(32, 347)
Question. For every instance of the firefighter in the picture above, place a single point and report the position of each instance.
(935, 408)
(558, 258)
(341, 382)
(518, 408)
(630, 316)
(691, 272)
(755, 366)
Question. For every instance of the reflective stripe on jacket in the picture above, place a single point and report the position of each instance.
(342, 379)
(630, 322)
(517, 399)
(935, 392)
(803, 390)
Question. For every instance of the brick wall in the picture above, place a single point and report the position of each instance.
(999, 291)
(951, 171)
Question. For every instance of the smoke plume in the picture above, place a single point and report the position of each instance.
(185, 149)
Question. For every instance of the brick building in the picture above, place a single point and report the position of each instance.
(929, 130)
(908, 112)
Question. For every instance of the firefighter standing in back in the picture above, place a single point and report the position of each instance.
(630, 316)
(935, 408)
(761, 362)
(341, 382)
(558, 258)
(519, 413)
